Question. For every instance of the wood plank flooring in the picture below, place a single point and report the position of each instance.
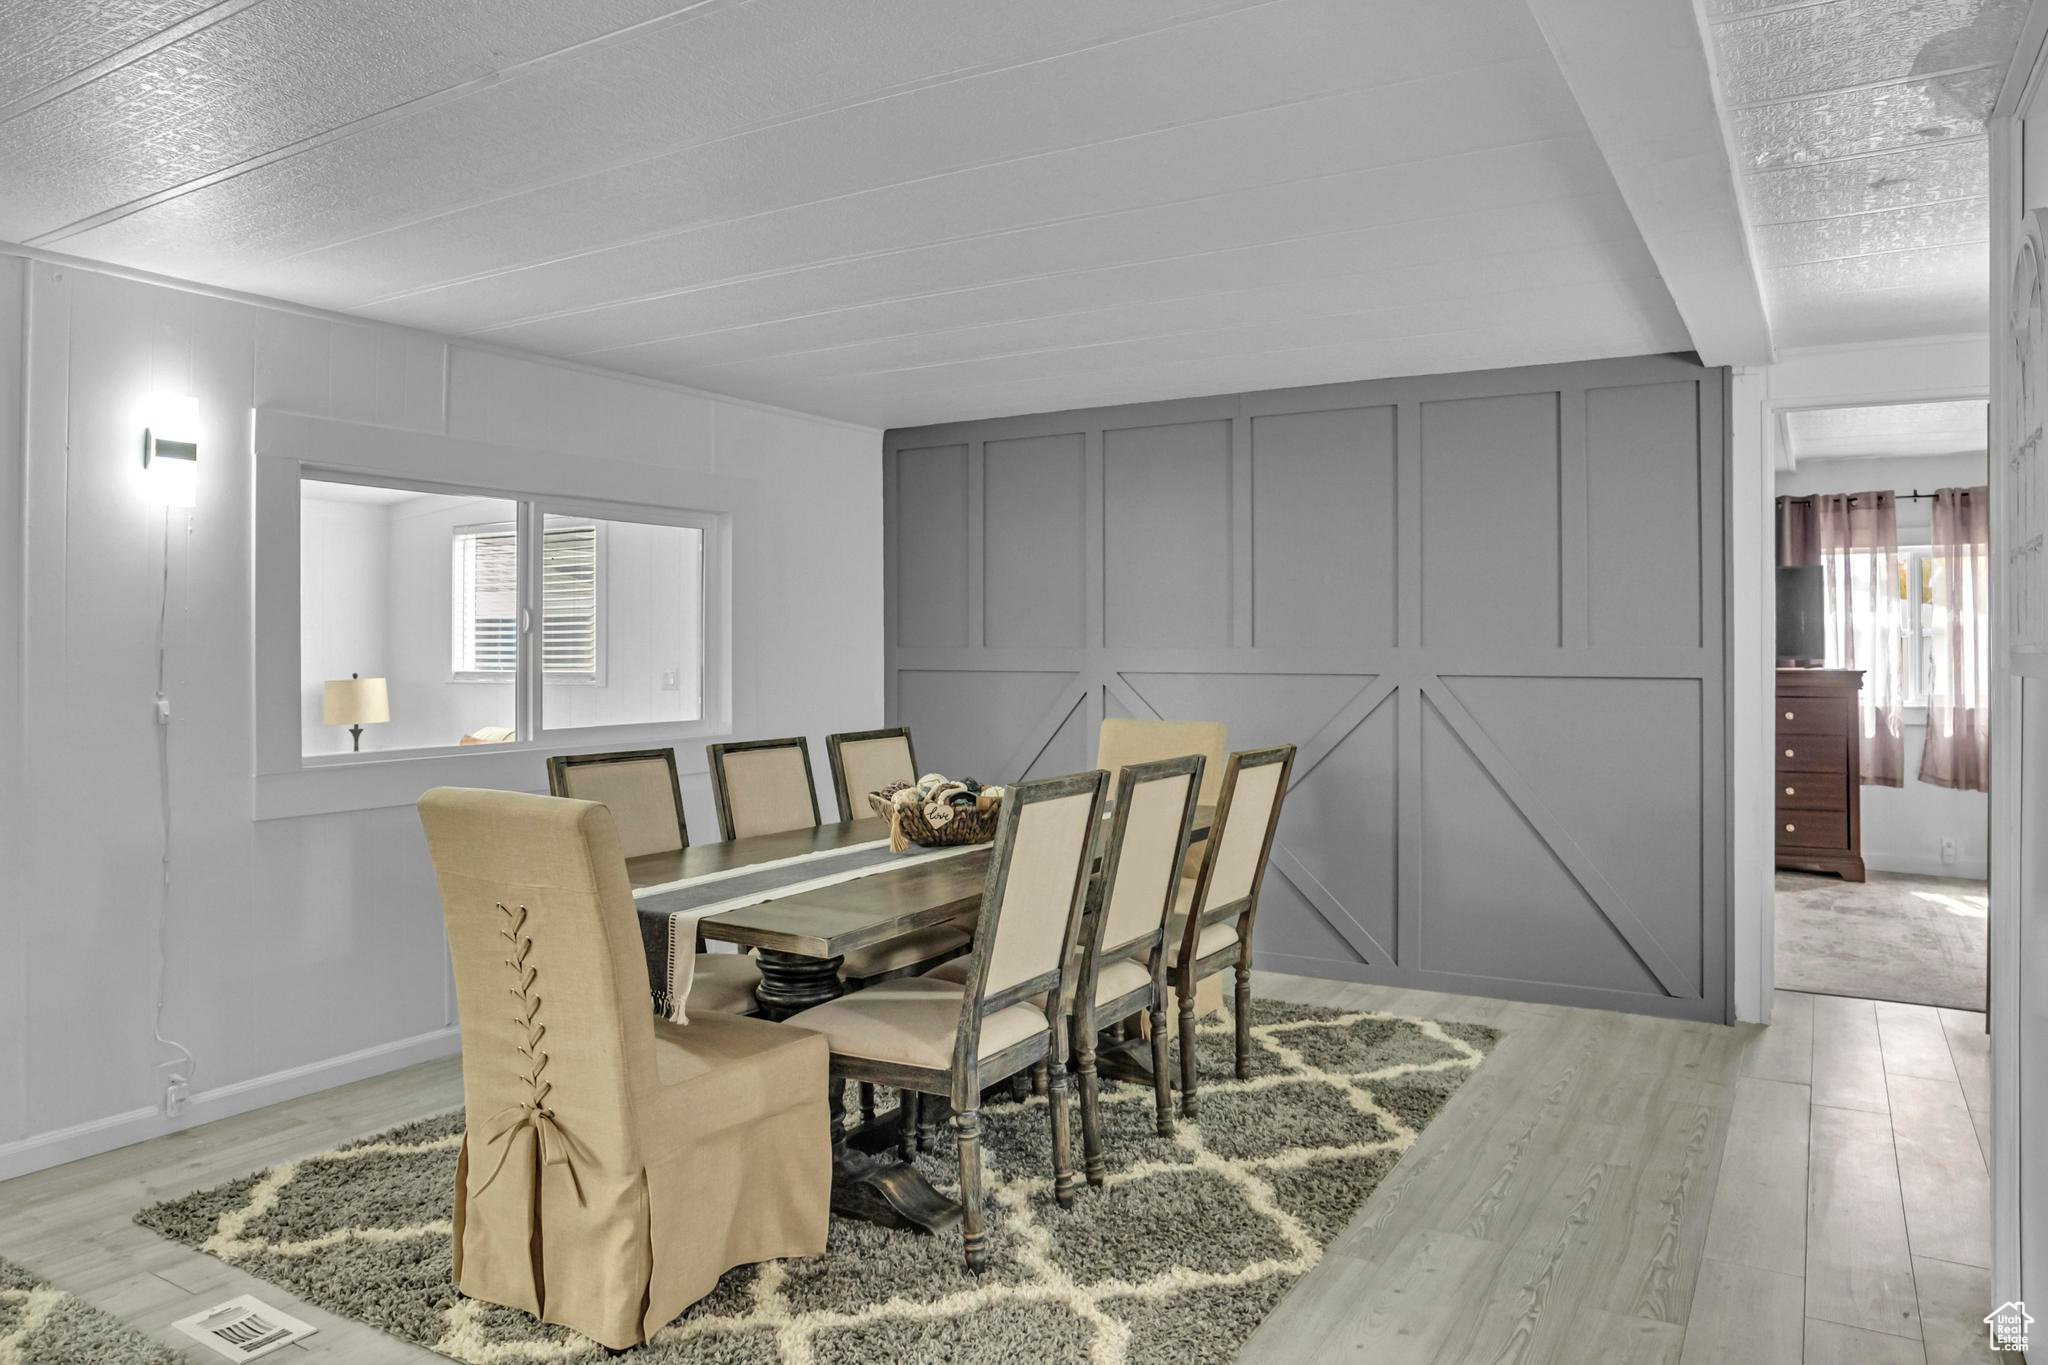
(1608, 1188)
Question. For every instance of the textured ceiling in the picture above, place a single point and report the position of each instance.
(893, 211)
(1859, 125)
(1883, 430)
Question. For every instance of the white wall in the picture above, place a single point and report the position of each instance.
(301, 952)
(1903, 827)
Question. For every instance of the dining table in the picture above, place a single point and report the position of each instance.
(801, 900)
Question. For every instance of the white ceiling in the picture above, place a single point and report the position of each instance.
(1886, 430)
(1859, 126)
(892, 211)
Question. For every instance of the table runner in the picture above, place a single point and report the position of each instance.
(669, 912)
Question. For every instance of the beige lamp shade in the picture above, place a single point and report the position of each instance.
(355, 701)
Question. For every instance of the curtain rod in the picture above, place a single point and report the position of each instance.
(1915, 496)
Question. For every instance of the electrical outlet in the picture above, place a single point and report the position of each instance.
(176, 1093)
(1948, 850)
(671, 681)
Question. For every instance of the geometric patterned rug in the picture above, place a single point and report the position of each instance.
(1189, 1245)
(41, 1325)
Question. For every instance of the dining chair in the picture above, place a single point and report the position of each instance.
(762, 786)
(1214, 909)
(1123, 961)
(865, 761)
(613, 1165)
(1122, 740)
(645, 796)
(948, 1038)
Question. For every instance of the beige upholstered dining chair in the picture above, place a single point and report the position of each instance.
(1122, 741)
(865, 761)
(1214, 909)
(950, 1038)
(641, 789)
(763, 786)
(1123, 965)
(613, 1165)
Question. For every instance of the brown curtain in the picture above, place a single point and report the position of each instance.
(1958, 596)
(1798, 533)
(1854, 537)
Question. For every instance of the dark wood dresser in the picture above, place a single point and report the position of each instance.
(1820, 781)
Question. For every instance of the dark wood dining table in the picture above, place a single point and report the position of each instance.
(801, 939)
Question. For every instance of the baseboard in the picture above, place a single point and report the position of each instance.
(45, 1150)
(1968, 870)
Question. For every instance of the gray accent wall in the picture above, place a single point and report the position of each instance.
(1488, 607)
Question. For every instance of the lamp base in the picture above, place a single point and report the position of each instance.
(355, 733)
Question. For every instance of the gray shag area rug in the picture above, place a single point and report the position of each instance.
(43, 1325)
(1917, 940)
(1191, 1243)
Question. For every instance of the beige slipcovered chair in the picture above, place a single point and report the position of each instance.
(1214, 909)
(641, 789)
(614, 1165)
(865, 761)
(763, 786)
(950, 1038)
(1122, 741)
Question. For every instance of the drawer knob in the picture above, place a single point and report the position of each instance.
(1789, 792)
(1790, 828)
(1788, 753)
(1788, 715)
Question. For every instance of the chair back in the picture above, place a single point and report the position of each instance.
(1155, 805)
(1038, 871)
(1122, 741)
(763, 786)
(638, 786)
(866, 761)
(550, 976)
(1240, 840)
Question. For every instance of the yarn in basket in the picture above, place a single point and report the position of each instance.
(937, 810)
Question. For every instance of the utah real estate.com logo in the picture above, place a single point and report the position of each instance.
(2007, 1326)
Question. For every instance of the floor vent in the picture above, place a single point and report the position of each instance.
(244, 1328)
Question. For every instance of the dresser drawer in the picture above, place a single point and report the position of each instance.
(1814, 714)
(1815, 829)
(1813, 754)
(1812, 791)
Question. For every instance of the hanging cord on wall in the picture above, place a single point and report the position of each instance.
(163, 771)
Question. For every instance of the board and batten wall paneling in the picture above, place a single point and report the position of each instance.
(1488, 607)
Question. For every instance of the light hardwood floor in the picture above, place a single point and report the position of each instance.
(1608, 1188)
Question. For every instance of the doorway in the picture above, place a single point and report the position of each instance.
(1881, 767)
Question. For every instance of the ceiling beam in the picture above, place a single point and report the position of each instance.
(1643, 77)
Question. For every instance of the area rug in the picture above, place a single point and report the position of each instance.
(1189, 1246)
(1919, 940)
(43, 1325)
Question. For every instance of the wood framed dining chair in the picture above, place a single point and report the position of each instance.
(645, 796)
(1123, 961)
(947, 1038)
(866, 761)
(1123, 740)
(1214, 910)
(762, 786)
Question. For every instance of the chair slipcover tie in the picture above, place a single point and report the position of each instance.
(555, 1144)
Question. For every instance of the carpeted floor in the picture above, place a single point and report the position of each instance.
(42, 1325)
(1192, 1242)
(1919, 940)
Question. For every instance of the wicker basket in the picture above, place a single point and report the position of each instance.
(907, 824)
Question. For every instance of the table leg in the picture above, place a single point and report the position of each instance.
(1121, 1058)
(877, 1188)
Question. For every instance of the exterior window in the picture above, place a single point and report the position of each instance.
(485, 613)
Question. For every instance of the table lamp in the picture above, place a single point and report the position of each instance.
(355, 701)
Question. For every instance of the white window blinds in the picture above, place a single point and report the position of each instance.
(486, 611)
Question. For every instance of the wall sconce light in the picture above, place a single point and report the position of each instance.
(170, 451)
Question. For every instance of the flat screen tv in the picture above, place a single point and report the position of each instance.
(1802, 620)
